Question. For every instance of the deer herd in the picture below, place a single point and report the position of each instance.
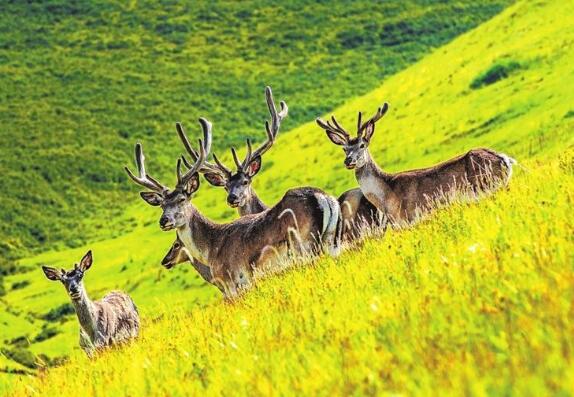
(304, 223)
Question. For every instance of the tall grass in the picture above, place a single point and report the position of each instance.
(477, 299)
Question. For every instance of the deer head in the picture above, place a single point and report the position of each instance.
(174, 203)
(177, 254)
(72, 279)
(356, 149)
(238, 183)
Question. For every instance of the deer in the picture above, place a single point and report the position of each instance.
(178, 254)
(109, 321)
(406, 196)
(359, 215)
(235, 249)
(357, 212)
(241, 194)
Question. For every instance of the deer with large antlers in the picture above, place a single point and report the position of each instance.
(233, 250)
(240, 193)
(405, 196)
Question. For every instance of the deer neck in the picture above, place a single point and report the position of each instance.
(253, 205)
(86, 312)
(196, 234)
(373, 182)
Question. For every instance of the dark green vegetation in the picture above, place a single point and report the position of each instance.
(498, 71)
(82, 81)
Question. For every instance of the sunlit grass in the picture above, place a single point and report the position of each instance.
(477, 298)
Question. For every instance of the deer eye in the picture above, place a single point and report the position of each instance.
(362, 145)
(245, 183)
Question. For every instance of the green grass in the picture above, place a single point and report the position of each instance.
(476, 299)
(81, 81)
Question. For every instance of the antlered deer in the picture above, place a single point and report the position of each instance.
(405, 196)
(241, 195)
(106, 322)
(357, 212)
(232, 250)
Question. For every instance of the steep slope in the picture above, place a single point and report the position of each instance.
(524, 234)
(82, 80)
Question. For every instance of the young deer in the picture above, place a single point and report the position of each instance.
(405, 196)
(106, 322)
(232, 250)
(178, 254)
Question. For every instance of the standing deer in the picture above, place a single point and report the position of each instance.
(233, 250)
(405, 196)
(241, 195)
(106, 322)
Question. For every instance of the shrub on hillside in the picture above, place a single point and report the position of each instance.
(498, 71)
(59, 312)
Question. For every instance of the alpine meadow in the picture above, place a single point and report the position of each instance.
(477, 298)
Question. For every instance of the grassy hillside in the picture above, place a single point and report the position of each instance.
(478, 298)
(81, 81)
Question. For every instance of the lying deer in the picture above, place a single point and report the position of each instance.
(233, 250)
(405, 196)
(359, 215)
(106, 322)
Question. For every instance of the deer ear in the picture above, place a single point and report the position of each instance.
(336, 138)
(86, 261)
(369, 131)
(214, 178)
(192, 185)
(152, 198)
(254, 166)
(51, 273)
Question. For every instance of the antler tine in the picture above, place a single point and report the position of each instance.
(178, 169)
(381, 111)
(338, 127)
(203, 152)
(271, 127)
(144, 179)
(359, 121)
(236, 159)
(222, 167)
(248, 156)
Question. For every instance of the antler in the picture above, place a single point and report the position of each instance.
(204, 148)
(144, 179)
(207, 167)
(334, 127)
(380, 113)
(271, 128)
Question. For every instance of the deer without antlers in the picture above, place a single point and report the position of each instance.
(232, 250)
(111, 320)
(405, 196)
